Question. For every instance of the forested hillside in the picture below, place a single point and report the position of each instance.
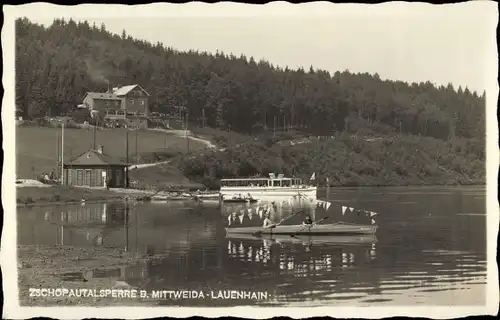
(55, 66)
(348, 161)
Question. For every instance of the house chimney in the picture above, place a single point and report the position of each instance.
(100, 149)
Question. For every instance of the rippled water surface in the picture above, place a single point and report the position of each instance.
(430, 248)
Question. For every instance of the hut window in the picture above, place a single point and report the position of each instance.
(93, 178)
(88, 175)
(79, 177)
(118, 177)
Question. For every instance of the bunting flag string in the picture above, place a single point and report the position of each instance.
(241, 218)
(373, 221)
(323, 204)
(359, 211)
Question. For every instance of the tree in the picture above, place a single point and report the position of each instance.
(56, 65)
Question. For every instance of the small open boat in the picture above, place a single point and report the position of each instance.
(240, 200)
(207, 196)
(334, 228)
(343, 240)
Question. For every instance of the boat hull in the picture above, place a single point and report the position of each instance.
(336, 228)
(240, 200)
(342, 240)
(259, 192)
(210, 196)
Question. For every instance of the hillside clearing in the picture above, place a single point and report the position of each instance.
(37, 147)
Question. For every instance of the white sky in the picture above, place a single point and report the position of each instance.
(399, 41)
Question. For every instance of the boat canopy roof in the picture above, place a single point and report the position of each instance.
(272, 176)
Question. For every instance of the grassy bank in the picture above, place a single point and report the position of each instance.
(42, 266)
(162, 177)
(57, 194)
(37, 147)
(349, 161)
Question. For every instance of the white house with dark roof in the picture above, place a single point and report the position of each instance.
(129, 103)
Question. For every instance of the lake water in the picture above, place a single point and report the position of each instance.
(430, 249)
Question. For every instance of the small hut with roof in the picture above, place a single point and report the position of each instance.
(94, 168)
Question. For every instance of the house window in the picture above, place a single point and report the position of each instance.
(69, 176)
(118, 177)
(107, 103)
(88, 176)
(131, 101)
(93, 178)
(141, 102)
(79, 177)
(117, 103)
(121, 113)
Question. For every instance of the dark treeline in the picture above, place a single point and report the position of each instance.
(55, 66)
(348, 161)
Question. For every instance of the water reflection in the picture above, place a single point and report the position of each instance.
(283, 251)
(413, 258)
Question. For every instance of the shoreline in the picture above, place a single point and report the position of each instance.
(45, 266)
(31, 196)
(60, 196)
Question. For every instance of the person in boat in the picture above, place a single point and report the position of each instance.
(233, 217)
(267, 221)
(307, 221)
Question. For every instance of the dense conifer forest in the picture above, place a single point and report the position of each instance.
(56, 65)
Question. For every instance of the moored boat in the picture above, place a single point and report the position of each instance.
(333, 228)
(344, 240)
(240, 200)
(274, 186)
(208, 196)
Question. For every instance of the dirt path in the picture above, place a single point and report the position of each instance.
(181, 133)
(147, 165)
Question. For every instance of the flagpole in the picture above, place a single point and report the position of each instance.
(62, 153)
(126, 156)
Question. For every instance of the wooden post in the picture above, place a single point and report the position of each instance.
(187, 136)
(95, 132)
(126, 169)
(58, 155)
(274, 127)
(136, 144)
(62, 153)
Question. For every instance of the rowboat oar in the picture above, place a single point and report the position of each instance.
(277, 224)
(310, 226)
(281, 221)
